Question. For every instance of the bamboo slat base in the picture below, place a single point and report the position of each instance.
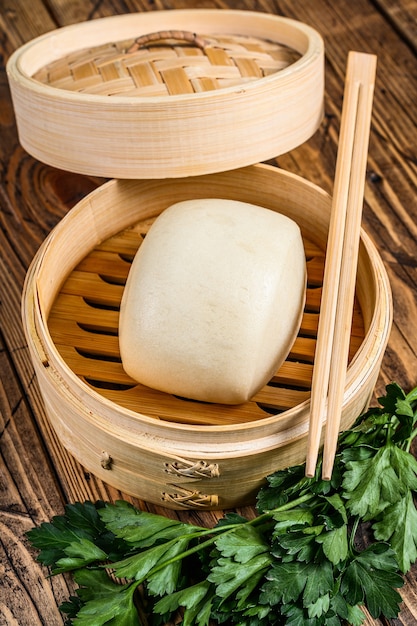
(84, 327)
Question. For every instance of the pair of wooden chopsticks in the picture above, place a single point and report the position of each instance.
(333, 337)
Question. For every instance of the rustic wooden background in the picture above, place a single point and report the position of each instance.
(36, 475)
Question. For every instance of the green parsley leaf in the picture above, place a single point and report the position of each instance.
(334, 538)
(346, 612)
(394, 393)
(355, 616)
(79, 554)
(405, 467)
(231, 519)
(71, 607)
(95, 582)
(297, 544)
(399, 526)
(291, 519)
(84, 516)
(228, 575)
(404, 408)
(371, 579)
(140, 528)
(81, 521)
(281, 485)
(335, 544)
(285, 583)
(320, 581)
(195, 599)
(260, 613)
(105, 602)
(371, 484)
(52, 539)
(247, 589)
(161, 558)
(319, 607)
(338, 505)
(242, 544)
(296, 616)
(166, 579)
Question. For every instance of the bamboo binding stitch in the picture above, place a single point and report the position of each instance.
(179, 35)
(190, 469)
(189, 499)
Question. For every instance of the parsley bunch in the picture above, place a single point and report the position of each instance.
(296, 563)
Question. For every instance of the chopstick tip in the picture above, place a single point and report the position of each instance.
(310, 470)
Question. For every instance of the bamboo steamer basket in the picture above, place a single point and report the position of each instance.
(160, 448)
(177, 105)
(84, 104)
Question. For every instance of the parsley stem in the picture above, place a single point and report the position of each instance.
(196, 548)
(292, 504)
(410, 440)
(225, 529)
(412, 396)
(353, 534)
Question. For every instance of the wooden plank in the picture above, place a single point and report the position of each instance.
(33, 197)
(29, 495)
(23, 20)
(402, 15)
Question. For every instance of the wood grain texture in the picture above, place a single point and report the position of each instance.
(36, 476)
(29, 495)
(402, 17)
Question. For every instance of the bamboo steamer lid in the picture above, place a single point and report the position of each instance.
(248, 87)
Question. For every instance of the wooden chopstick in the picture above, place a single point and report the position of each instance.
(333, 336)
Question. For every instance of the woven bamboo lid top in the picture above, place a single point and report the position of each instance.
(167, 63)
(248, 87)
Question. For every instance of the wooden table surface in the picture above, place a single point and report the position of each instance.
(36, 476)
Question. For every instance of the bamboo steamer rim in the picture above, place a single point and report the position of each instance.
(38, 298)
(185, 134)
(30, 58)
